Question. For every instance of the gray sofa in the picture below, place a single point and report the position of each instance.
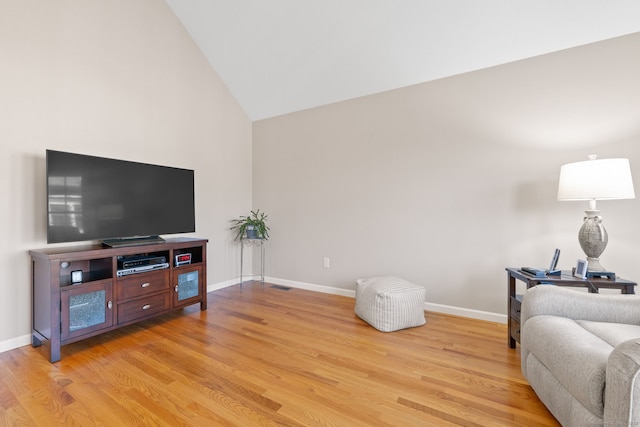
(581, 354)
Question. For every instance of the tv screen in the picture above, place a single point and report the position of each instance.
(96, 198)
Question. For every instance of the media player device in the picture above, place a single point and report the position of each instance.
(139, 261)
(141, 269)
(183, 259)
(140, 264)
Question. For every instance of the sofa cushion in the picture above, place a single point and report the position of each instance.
(575, 357)
(611, 333)
(562, 404)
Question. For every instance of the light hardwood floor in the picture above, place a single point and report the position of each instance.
(274, 356)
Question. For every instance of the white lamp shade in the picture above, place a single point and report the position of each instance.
(601, 179)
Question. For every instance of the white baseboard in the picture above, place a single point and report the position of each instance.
(222, 285)
(437, 308)
(466, 312)
(12, 343)
(311, 287)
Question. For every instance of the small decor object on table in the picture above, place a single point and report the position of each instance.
(252, 226)
(76, 276)
(581, 269)
(183, 259)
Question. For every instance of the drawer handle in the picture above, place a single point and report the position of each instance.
(518, 311)
(146, 285)
(146, 306)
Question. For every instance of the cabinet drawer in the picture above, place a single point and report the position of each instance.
(515, 330)
(143, 284)
(516, 306)
(143, 307)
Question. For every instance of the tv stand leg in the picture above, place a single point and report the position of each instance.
(36, 341)
(54, 354)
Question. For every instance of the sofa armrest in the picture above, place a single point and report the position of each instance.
(564, 302)
(622, 391)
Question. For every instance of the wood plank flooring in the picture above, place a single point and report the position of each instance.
(274, 356)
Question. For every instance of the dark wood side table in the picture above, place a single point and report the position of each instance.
(565, 279)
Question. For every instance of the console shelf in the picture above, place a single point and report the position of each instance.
(64, 312)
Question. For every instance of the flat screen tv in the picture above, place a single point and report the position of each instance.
(116, 201)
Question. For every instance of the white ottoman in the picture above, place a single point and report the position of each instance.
(390, 303)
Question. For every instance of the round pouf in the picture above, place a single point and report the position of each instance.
(390, 303)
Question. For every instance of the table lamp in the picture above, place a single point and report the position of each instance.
(595, 179)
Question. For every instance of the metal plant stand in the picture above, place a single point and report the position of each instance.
(250, 243)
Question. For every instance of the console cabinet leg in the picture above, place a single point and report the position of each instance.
(35, 340)
(55, 354)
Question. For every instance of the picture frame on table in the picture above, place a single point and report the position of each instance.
(581, 269)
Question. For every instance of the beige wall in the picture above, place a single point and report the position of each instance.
(117, 79)
(443, 183)
(448, 182)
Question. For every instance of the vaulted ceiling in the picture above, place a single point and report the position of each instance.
(281, 56)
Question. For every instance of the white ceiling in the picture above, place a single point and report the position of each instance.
(281, 56)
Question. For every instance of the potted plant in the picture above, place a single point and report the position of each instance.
(252, 226)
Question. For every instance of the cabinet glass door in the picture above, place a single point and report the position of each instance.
(187, 286)
(86, 308)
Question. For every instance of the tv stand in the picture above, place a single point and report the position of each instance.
(132, 241)
(65, 311)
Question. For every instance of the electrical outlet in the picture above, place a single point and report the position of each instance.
(327, 263)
